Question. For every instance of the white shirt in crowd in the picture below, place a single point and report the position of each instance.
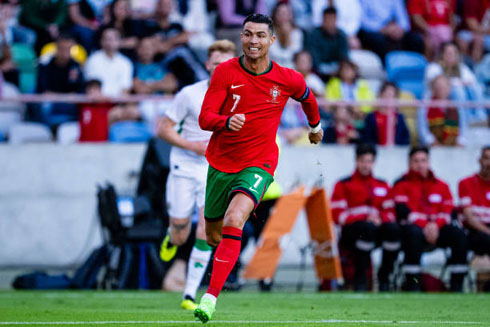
(116, 73)
(348, 14)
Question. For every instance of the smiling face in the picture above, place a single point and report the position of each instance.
(256, 39)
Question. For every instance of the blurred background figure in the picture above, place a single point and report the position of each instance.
(303, 64)
(441, 125)
(435, 20)
(340, 129)
(474, 38)
(289, 38)
(386, 125)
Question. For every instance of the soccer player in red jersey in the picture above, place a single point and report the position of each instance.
(243, 107)
(474, 193)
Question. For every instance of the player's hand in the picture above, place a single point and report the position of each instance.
(236, 122)
(431, 232)
(317, 137)
(199, 147)
(374, 218)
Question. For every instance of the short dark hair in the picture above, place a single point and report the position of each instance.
(388, 84)
(485, 148)
(65, 36)
(92, 83)
(418, 148)
(365, 148)
(330, 11)
(260, 19)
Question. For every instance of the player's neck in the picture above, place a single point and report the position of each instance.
(256, 66)
(485, 177)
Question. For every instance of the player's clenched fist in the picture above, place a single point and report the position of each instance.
(317, 137)
(235, 122)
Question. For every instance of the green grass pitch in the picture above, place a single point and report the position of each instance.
(153, 308)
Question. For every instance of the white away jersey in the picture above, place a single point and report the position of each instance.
(185, 111)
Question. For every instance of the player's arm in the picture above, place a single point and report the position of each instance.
(466, 203)
(210, 118)
(308, 102)
(166, 130)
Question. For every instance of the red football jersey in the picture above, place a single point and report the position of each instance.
(261, 97)
(474, 192)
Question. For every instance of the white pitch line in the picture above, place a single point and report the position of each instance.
(261, 322)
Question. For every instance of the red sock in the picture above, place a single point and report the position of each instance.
(225, 258)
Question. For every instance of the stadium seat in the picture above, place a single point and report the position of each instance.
(68, 133)
(129, 132)
(370, 66)
(7, 119)
(28, 132)
(406, 69)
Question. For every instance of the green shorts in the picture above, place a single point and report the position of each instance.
(220, 188)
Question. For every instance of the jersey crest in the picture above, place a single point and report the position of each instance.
(275, 93)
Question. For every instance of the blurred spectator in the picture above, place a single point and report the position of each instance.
(10, 30)
(109, 66)
(124, 112)
(150, 77)
(423, 205)
(61, 75)
(129, 29)
(474, 194)
(195, 18)
(301, 9)
(349, 14)
(435, 20)
(94, 123)
(289, 38)
(474, 38)
(348, 86)
(386, 125)
(85, 17)
(45, 17)
(11, 112)
(327, 44)
(441, 126)
(171, 40)
(303, 64)
(363, 207)
(340, 129)
(232, 13)
(482, 72)
(8, 68)
(464, 85)
(385, 27)
(293, 128)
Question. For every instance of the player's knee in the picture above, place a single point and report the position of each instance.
(213, 239)
(235, 218)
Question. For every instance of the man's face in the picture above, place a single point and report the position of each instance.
(217, 58)
(163, 7)
(364, 164)
(329, 23)
(110, 40)
(63, 48)
(256, 40)
(146, 51)
(485, 163)
(419, 162)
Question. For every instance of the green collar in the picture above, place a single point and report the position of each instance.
(251, 72)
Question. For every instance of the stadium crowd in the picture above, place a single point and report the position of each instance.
(346, 50)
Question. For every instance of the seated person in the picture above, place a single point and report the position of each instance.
(327, 44)
(94, 123)
(341, 128)
(441, 126)
(362, 206)
(61, 75)
(151, 77)
(423, 205)
(347, 85)
(386, 125)
(474, 194)
(474, 37)
(303, 64)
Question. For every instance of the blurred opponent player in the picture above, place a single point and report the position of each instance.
(243, 107)
(188, 167)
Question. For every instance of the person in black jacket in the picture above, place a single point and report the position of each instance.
(386, 125)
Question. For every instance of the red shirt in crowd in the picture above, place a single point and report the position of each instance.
(476, 9)
(94, 123)
(435, 12)
(386, 126)
(474, 192)
(358, 196)
(261, 97)
(429, 199)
